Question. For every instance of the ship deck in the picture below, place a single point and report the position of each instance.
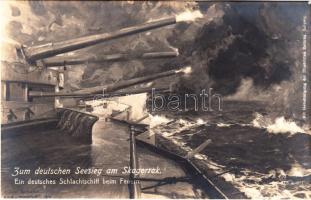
(51, 148)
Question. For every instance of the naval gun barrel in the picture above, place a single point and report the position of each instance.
(54, 62)
(34, 53)
(127, 83)
(114, 86)
(36, 94)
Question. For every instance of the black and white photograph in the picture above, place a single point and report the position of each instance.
(155, 99)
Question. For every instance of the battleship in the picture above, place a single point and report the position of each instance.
(40, 91)
(142, 135)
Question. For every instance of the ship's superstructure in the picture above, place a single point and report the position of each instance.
(16, 83)
(26, 78)
(33, 114)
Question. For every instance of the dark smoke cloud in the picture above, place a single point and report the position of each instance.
(256, 44)
(233, 42)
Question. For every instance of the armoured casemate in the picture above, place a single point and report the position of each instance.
(25, 74)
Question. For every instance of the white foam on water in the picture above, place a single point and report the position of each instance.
(224, 125)
(298, 170)
(250, 182)
(156, 120)
(279, 125)
(200, 121)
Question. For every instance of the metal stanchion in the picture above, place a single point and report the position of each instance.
(134, 188)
